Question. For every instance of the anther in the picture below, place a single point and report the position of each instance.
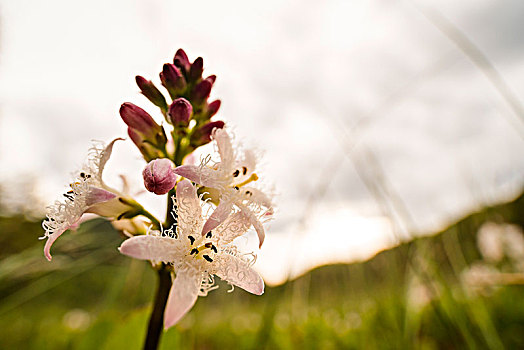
(192, 239)
(236, 173)
(208, 258)
(244, 170)
(237, 188)
(249, 193)
(208, 245)
(193, 251)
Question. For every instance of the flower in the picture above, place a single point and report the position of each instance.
(196, 258)
(88, 194)
(230, 177)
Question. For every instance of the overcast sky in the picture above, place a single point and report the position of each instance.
(332, 91)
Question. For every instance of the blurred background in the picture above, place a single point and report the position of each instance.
(392, 131)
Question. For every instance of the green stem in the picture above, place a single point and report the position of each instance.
(156, 321)
(151, 217)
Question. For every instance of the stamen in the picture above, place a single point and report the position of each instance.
(253, 177)
(208, 245)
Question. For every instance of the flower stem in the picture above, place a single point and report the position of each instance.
(156, 321)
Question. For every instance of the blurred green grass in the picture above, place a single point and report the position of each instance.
(410, 297)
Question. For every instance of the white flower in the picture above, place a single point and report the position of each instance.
(88, 194)
(196, 258)
(230, 177)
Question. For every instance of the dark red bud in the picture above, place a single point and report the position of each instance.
(150, 91)
(195, 72)
(172, 79)
(201, 91)
(138, 119)
(180, 112)
(212, 78)
(213, 108)
(181, 60)
(203, 134)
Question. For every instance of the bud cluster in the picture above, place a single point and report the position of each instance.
(189, 111)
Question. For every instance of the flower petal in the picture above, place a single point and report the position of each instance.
(182, 296)
(112, 208)
(235, 225)
(221, 213)
(50, 240)
(151, 247)
(202, 175)
(225, 149)
(104, 157)
(238, 272)
(97, 195)
(254, 195)
(255, 222)
(189, 210)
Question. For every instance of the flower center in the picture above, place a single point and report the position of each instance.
(202, 248)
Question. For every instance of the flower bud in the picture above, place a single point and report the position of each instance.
(203, 134)
(195, 72)
(150, 91)
(159, 177)
(213, 108)
(201, 91)
(211, 79)
(172, 79)
(180, 112)
(138, 119)
(181, 60)
(148, 151)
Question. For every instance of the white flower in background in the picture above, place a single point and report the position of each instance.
(88, 194)
(230, 178)
(196, 258)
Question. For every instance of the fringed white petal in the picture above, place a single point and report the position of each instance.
(235, 226)
(225, 149)
(202, 175)
(182, 296)
(50, 240)
(103, 158)
(259, 228)
(188, 208)
(256, 196)
(221, 213)
(152, 247)
(238, 272)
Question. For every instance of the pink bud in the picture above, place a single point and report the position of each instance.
(180, 112)
(159, 177)
(138, 119)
